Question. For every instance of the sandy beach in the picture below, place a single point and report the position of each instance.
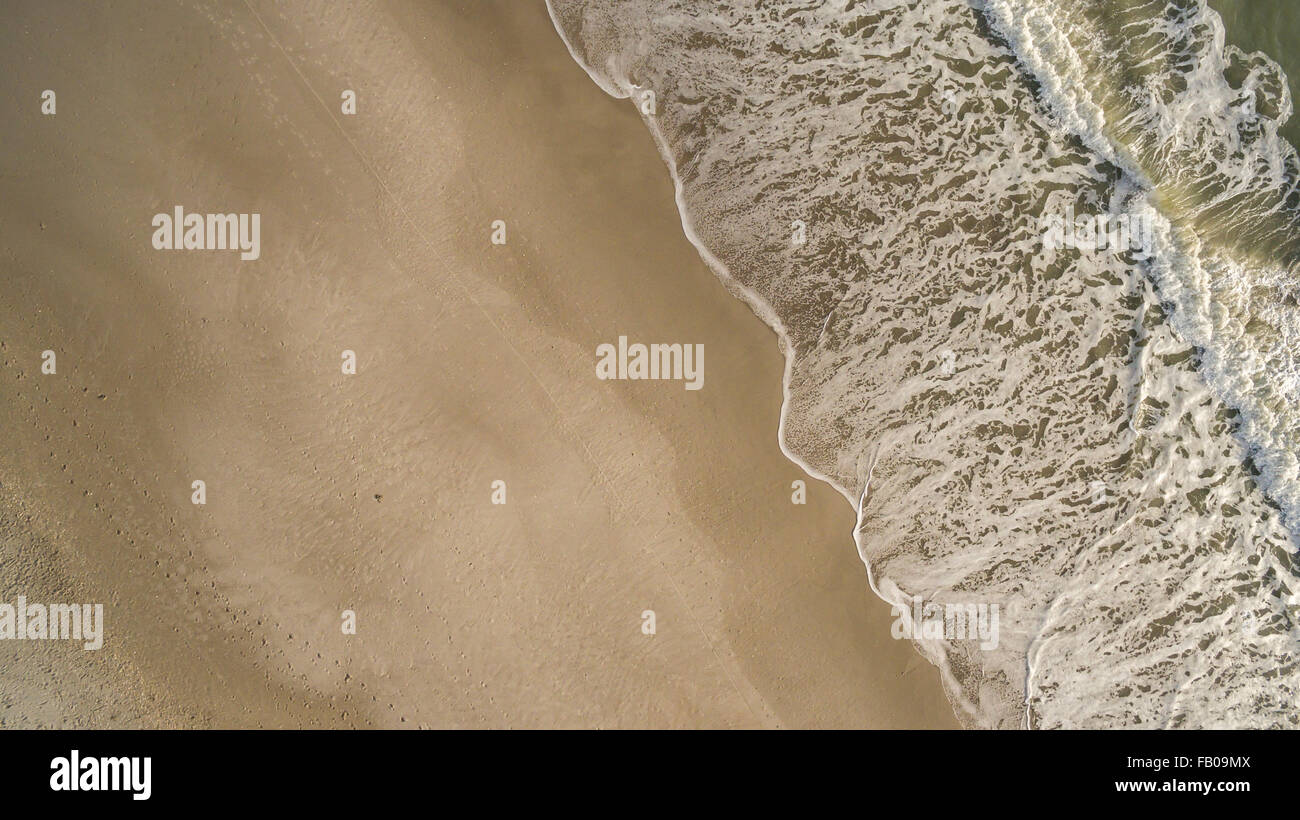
(373, 492)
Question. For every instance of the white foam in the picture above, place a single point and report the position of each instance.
(919, 186)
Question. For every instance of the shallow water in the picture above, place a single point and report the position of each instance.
(1101, 442)
(1270, 26)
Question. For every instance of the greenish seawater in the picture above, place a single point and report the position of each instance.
(1273, 27)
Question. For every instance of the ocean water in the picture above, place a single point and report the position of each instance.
(1270, 26)
(1102, 442)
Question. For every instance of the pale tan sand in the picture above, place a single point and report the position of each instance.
(476, 363)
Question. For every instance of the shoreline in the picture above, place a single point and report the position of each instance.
(370, 492)
(764, 312)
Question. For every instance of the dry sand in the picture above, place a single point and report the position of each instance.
(328, 492)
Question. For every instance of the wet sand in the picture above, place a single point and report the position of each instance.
(475, 363)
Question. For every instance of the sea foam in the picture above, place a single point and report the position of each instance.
(1082, 439)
